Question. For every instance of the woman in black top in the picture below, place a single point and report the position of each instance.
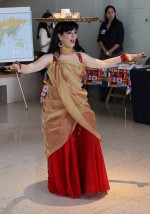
(111, 34)
(110, 39)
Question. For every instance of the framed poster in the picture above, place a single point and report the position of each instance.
(16, 41)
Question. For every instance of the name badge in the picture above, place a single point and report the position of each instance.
(103, 31)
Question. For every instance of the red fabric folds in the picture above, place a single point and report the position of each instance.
(78, 166)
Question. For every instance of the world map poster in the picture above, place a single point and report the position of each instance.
(16, 42)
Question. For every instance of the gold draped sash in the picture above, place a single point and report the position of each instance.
(65, 105)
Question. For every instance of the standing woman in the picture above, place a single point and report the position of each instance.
(110, 39)
(44, 32)
(72, 143)
(111, 35)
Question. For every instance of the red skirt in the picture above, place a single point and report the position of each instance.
(78, 166)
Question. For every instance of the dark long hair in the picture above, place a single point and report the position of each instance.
(44, 25)
(60, 28)
(115, 20)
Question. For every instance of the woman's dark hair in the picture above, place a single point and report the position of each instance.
(110, 6)
(60, 28)
(44, 25)
(115, 20)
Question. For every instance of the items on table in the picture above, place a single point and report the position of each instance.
(112, 77)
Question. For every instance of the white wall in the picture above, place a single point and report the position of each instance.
(133, 13)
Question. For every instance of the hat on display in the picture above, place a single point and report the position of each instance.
(67, 16)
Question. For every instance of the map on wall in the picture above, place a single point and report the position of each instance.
(16, 43)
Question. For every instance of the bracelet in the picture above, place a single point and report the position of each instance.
(107, 53)
(123, 57)
(18, 64)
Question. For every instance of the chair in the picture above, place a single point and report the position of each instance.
(112, 93)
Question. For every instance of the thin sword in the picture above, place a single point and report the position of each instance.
(22, 91)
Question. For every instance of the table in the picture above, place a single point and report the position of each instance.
(10, 91)
(9, 88)
(121, 77)
(116, 77)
